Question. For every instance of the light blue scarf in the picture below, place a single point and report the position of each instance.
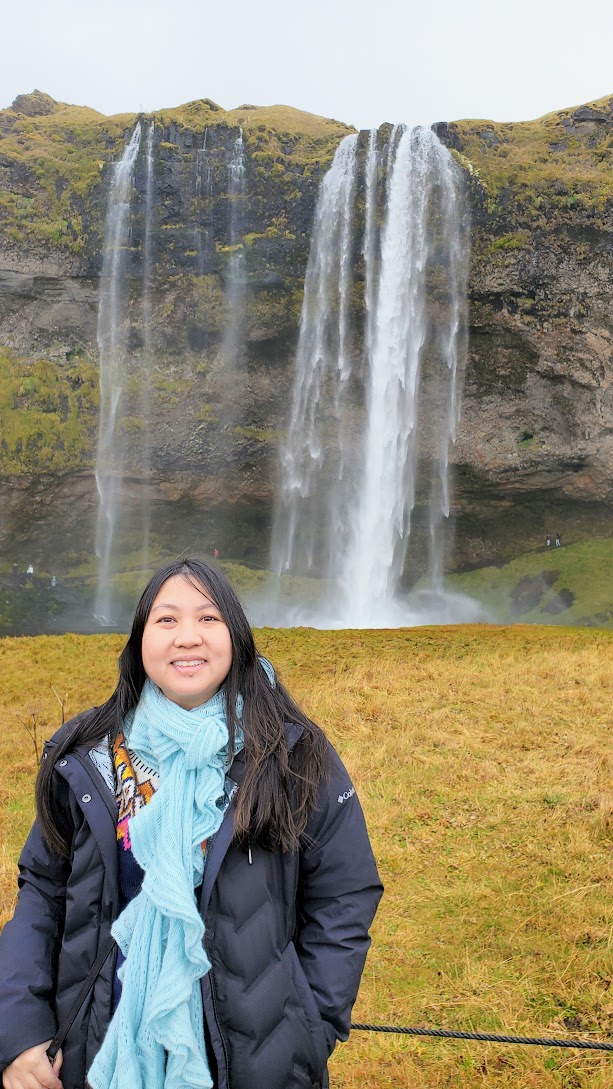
(156, 1037)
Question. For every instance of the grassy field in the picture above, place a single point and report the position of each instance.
(483, 759)
(567, 585)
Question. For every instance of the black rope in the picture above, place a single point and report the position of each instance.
(449, 1034)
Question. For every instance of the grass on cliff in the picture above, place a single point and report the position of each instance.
(547, 163)
(567, 585)
(57, 156)
(482, 756)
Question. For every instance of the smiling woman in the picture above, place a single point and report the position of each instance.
(187, 646)
(201, 819)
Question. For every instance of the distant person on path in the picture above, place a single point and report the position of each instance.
(30, 570)
(201, 819)
(558, 542)
(216, 553)
(15, 571)
(548, 540)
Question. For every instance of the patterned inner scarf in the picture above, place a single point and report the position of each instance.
(136, 785)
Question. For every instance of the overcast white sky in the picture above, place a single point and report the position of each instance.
(360, 61)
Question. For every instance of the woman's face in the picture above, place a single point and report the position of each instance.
(186, 648)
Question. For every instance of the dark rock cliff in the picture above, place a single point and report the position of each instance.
(535, 452)
(535, 447)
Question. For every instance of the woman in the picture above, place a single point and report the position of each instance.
(206, 819)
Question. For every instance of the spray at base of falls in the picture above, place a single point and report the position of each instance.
(375, 403)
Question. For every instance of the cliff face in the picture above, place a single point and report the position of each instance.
(215, 429)
(535, 449)
(536, 442)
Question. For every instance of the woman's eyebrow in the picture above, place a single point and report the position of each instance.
(206, 604)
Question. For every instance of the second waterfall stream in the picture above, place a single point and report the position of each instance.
(376, 395)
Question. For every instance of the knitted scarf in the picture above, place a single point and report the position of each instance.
(156, 1037)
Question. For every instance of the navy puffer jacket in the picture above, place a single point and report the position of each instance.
(286, 933)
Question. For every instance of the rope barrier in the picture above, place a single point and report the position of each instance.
(450, 1034)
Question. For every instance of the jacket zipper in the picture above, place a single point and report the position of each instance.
(218, 1023)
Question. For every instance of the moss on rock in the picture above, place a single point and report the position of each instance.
(48, 414)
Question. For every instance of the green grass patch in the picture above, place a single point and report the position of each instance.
(567, 585)
(509, 242)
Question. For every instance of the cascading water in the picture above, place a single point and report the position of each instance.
(112, 346)
(235, 281)
(380, 531)
(127, 347)
(231, 377)
(203, 192)
(359, 450)
(147, 337)
(237, 174)
(322, 365)
(452, 346)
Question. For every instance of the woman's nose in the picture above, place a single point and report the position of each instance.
(188, 635)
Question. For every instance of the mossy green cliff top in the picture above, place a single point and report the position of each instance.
(53, 155)
(562, 160)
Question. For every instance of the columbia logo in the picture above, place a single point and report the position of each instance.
(346, 795)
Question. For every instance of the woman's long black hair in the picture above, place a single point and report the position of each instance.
(277, 791)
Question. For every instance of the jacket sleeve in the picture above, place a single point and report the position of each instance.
(29, 945)
(339, 890)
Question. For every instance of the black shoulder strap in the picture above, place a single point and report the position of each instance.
(86, 987)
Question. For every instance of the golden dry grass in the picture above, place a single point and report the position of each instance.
(483, 760)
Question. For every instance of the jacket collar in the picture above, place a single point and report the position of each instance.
(95, 801)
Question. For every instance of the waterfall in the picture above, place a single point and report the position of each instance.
(322, 365)
(452, 349)
(112, 347)
(147, 316)
(367, 427)
(369, 249)
(235, 282)
(127, 359)
(231, 388)
(237, 172)
(381, 527)
(203, 192)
